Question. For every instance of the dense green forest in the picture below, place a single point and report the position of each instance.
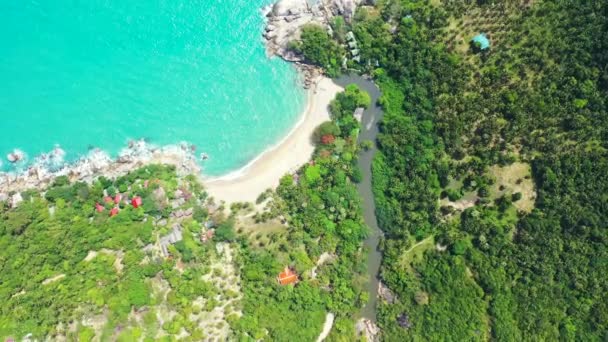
(491, 185)
(322, 210)
(70, 269)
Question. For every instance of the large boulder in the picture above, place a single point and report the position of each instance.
(346, 8)
(289, 7)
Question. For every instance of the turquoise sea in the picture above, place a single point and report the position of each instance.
(97, 73)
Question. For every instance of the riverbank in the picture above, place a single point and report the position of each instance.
(369, 131)
(287, 156)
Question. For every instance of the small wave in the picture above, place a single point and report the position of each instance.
(53, 164)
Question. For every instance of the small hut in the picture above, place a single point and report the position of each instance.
(481, 42)
(98, 207)
(113, 212)
(136, 202)
(288, 276)
(117, 198)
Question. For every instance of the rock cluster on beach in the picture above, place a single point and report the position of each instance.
(287, 17)
(42, 173)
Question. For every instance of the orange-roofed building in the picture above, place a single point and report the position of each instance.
(136, 202)
(287, 277)
(113, 212)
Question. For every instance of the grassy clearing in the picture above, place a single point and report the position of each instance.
(416, 253)
(263, 234)
(512, 179)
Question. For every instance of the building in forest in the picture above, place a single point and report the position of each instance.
(288, 276)
(481, 42)
(136, 202)
(113, 212)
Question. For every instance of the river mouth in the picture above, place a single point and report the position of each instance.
(369, 131)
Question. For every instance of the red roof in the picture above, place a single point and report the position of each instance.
(136, 202)
(98, 207)
(108, 199)
(287, 277)
(117, 198)
(113, 212)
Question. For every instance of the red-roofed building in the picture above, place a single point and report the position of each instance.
(136, 202)
(287, 277)
(98, 207)
(114, 212)
(117, 198)
(108, 199)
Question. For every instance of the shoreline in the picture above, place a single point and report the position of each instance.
(244, 184)
(286, 156)
(241, 171)
(96, 164)
(241, 185)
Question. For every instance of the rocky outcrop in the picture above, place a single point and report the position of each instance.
(386, 294)
(368, 329)
(96, 163)
(286, 18)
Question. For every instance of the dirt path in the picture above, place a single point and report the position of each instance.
(329, 323)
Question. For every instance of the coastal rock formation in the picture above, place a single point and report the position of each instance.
(287, 17)
(40, 175)
(15, 156)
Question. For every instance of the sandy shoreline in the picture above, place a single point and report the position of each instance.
(243, 185)
(294, 150)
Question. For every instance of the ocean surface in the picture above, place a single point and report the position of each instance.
(98, 73)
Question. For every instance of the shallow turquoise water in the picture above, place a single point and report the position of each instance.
(101, 72)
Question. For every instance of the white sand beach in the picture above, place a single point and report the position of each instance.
(245, 184)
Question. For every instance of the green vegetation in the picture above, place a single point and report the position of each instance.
(323, 212)
(521, 251)
(490, 186)
(66, 261)
(64, 264)
(319, 48)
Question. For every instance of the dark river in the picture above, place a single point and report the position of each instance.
(369, 131)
